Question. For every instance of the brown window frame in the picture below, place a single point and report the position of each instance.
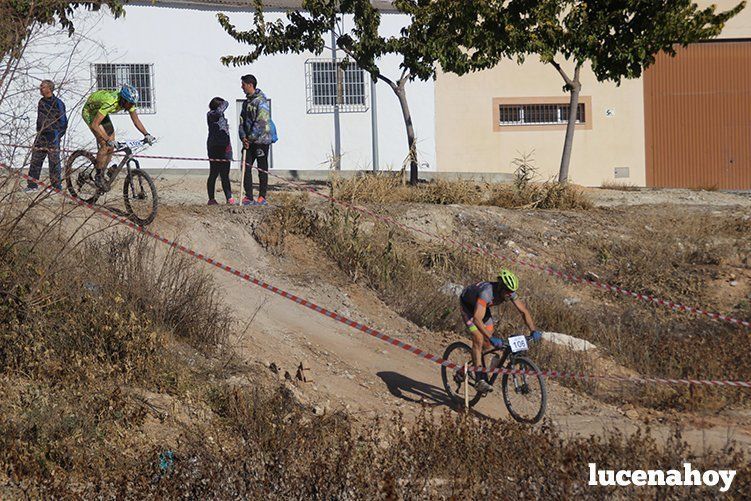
(584, 101)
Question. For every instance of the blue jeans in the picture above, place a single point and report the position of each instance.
(51, 150)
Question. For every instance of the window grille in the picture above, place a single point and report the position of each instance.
(141, 76)
(539, 114)
(327, 84)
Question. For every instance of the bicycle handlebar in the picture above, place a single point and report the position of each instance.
(530, 340)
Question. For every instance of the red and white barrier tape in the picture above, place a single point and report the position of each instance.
(543, 269)
(362, 327)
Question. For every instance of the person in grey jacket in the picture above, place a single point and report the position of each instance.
(52, 122)
(255, 134)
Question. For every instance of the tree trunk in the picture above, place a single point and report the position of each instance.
(574, 88)
(401, 93)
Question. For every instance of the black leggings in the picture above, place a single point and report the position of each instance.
(259, 153)
(219, 169)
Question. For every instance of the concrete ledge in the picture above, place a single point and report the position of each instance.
(324, 175)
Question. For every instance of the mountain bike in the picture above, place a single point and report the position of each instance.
(523, 386)
(139, 191)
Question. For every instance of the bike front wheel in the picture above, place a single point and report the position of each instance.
(140, 196)
(524, 391)
(453, 379)
(80, 170)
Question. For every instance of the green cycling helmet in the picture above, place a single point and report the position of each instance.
(508, 279)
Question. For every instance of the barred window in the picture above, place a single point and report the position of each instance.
(539, 114)
(327, 84)
(141, 76)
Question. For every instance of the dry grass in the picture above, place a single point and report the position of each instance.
(266, 446)
(668, 255)
(170, 290)
(619, 186)
(84, 320)
(378, 258)
(549, 195)
(387, 188)
(73, 350)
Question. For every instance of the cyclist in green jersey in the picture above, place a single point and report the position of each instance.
(96, 113)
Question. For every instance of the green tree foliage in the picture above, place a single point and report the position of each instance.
(19, 16)
(306, 29)
(617, 38)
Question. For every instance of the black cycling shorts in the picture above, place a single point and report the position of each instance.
(108, 127)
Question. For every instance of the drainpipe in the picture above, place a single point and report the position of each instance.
(374, 123)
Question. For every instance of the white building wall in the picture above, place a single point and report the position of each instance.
(185, 44)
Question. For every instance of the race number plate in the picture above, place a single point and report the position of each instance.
(518, 343)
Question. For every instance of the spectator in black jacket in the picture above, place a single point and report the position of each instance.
(51, 126)
(219, 150)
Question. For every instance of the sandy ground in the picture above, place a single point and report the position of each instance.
(353, 371)
(356, 372)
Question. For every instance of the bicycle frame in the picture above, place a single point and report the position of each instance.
(125, 162)
(504, 357)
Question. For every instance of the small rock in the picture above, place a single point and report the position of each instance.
(592, 276)
(570, 301)
(274, 368)
(318, 410)
(287, 376)
(632, 414)
(733, 283)
(452, 289)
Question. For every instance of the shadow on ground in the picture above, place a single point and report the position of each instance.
(425, 394)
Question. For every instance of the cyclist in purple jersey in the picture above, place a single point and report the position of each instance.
(476, 301)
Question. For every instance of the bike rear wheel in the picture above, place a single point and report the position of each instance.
(140, 196)
(524, 394)
(80, 170)
(453, 379)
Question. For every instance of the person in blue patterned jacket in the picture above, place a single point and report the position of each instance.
(52, 122)
(256, 136)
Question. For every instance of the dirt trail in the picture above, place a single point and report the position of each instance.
(351, 370)
(359, 373)
(356, 372)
